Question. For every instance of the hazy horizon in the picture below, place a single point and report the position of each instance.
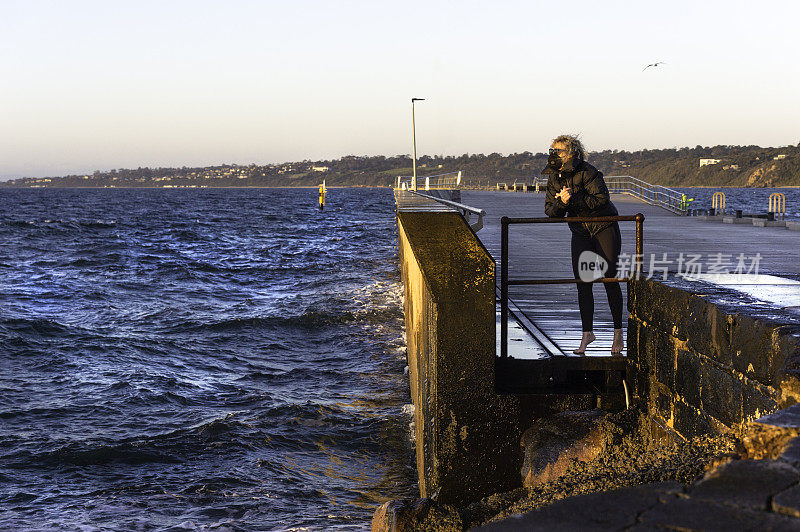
(94, 86)
(246, 163)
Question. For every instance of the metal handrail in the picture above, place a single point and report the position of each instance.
(465, 210)
(657, 195)
(449, 180)
(505, 221)
(457, 205)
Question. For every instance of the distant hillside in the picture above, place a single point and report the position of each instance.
(750, 166)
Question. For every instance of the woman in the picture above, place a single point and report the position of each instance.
(576, 188)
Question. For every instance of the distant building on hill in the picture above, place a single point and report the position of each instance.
(319, 168)
(779, 157)
(706, 162)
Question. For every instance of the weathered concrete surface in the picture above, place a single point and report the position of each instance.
(740, 495)
(467, 437)
(690, 514)
(775, 436)
(615, 510)
(787, 502)
(746, 483)
(709, 359)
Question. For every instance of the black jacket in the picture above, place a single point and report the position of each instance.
(590, 196)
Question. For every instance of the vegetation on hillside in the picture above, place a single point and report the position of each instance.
(751, 166)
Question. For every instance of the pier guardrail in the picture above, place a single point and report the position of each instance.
(656, 195)
(449, 180)
(465, 210)
(505, 221)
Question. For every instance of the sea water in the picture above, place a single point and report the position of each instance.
(229, 359)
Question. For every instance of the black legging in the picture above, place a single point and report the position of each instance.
(607, 243)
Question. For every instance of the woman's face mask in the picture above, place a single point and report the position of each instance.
(556, 158)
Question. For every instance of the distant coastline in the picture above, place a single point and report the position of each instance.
(314, 187)
(309, 187)
(718, 166)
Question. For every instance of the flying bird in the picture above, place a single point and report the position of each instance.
(653, 65)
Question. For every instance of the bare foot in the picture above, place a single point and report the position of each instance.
(618, 344)
(588, 338)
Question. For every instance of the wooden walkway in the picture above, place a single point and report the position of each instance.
(543, 251)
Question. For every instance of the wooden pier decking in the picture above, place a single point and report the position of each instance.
(543, 251)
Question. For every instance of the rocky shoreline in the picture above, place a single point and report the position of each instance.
(578, 454)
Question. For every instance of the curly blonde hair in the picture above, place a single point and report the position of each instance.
(572, 144)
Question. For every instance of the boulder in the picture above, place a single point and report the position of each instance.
(555, 442)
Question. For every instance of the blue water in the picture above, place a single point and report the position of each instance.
(182, 359)
(749, 200)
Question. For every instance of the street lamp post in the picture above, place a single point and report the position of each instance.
(414, 143)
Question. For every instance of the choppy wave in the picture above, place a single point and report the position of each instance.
(205, 358)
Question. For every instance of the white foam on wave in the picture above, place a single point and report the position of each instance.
(377, 295)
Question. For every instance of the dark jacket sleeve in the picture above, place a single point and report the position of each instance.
(595, 192)
(553, 206)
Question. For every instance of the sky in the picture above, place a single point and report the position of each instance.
(96, 85)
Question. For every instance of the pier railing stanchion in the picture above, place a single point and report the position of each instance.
(639, 244)
(777, 205)
(504, 287)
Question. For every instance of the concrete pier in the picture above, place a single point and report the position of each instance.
(467, 433)
(703, 357)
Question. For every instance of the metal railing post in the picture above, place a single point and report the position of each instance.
(639, 244)
(504, 287)
(777, 204)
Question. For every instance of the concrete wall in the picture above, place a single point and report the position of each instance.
(707, 360)
(468, 434)
(467, 437)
